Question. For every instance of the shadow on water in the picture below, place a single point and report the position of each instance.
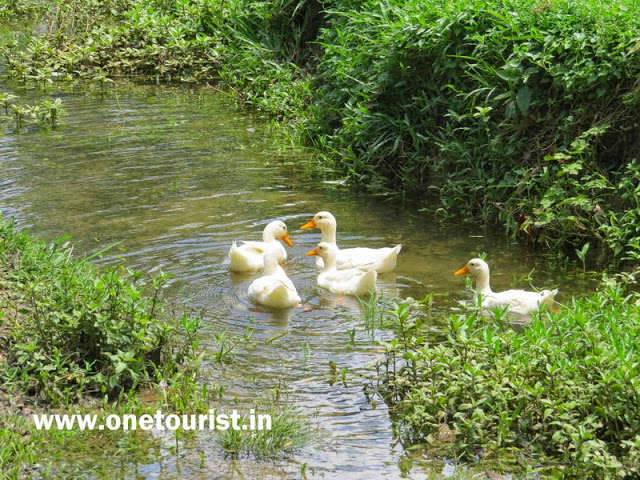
(176, 176)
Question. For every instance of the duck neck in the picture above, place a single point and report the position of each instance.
(329, 234)
(271, 265)
(329, 263)
(267, 236)
(482, 284)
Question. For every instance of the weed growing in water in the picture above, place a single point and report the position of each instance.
(46, 112)
(562, 390)
(306, 351)
(582, 255)
(352, 336)
(226, 343)
(290, 430)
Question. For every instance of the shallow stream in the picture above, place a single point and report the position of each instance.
(177, 175)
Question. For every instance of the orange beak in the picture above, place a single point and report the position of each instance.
(463, 271)
(312, 252)
(309, 224)
(287, 240)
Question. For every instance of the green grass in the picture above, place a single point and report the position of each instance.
(290, 430)
(73, 336)
(26, 451)
(15, 449)
(560, 395)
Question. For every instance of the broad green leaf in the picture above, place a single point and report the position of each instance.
(523, 99)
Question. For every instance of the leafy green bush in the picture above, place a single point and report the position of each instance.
(498, 109)
(95, 39)
(564, 391)
(257, 49)
(70, 329)
(20, 9)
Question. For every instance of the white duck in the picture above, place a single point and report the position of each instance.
(248, 256)
(274, 289)
(517, 301)
(381, 259)
(350, 281)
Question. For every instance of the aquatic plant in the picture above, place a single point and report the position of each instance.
(561, 394)
(50, 111)
(5, 99)
(226, 343)
(290, 430)
(46, 112)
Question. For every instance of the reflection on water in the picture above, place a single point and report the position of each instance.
(176, 176)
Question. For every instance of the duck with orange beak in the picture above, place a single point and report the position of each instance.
(521, 302)
(248, 257)
(350, 281)
(273, 289)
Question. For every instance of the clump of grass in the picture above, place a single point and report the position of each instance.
(290, 430)
(13, 445)
(562, 392)
(72, 330)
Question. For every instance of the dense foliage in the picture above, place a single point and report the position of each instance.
(513, 110)
(563, 393)
(70, 330)
(248, 45)
(21, 9)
